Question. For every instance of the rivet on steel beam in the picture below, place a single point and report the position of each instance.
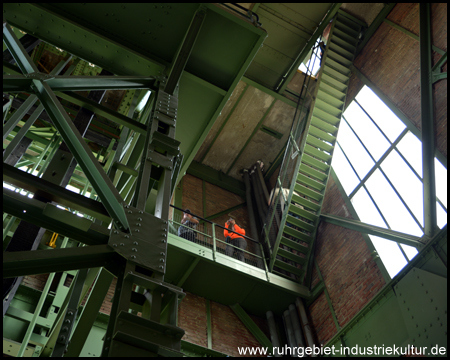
(140, 219)
(161, 260)
(162, 254)
(122, 244)
(116, 232)
(164, 235)
(141, 212)
(62, 338)
(133, 256)
(138, 224)
(161, 267)
(127, 236)
(137, 230)
(130, 212)
(114, 245)
(65, 328)
(135, 243)
(70, 313)
(133, 249)
(165, 229)
(67, 321)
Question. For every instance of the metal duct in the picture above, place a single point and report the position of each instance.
(289, 331)
(305, 323)
(298, 333)
(273, 331)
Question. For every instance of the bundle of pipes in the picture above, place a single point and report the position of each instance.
(296, 327)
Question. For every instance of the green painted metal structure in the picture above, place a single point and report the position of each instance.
(314, 151)
(189, 59)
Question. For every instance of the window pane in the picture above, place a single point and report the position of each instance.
(390, 254)
(343, 170)
(410, 251)
(406, 183)
(441, 215)
(355, 152)
(411, 148)
(390, 205)
(366, 210)
(389, 123)
(441, 181)
(369, 134)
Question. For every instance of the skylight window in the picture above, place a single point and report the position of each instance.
(314, 62)
(379, 164)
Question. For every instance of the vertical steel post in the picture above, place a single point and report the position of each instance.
(426, 107)
(214, 240)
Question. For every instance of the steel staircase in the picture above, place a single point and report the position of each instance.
(293, 248)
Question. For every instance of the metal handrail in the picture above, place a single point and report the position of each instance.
(199, 217)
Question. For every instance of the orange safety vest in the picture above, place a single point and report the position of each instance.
(233, 235)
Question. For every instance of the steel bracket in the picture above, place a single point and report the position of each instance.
(146, 243)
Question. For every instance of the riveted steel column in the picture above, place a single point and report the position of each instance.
(427, 120)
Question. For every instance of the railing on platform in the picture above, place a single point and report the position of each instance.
(211, 236)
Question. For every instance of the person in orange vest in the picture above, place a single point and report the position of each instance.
(234, 239)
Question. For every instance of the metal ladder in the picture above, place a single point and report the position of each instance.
(300, 220)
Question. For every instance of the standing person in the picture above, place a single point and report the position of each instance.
(234, 239)
(188, 222)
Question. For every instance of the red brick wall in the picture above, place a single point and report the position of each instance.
(228, 332)
(35, 281)
(350, 274)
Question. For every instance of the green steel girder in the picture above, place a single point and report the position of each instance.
(102, 111)
(252, 327)
(16, 83)
(21, 263)
(18, 115)
(182, 56)
(217, 178)
(57, 220)
(54, 193)
(357, 225)
(427, 121)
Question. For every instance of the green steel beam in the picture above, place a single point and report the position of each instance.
(18, 115)
(327, 295)
(217, 178)
(102, 111)
(374, 230)
(184, 51)
(208, 323)
(188, 272)
(78, 147)
(54, 219)
(252, 327)
(78, 83)
(427, 121)
(410, 34)
(286, 79)
(17, 50)
(54, 193)
(21, 263)
(374, 26)
(269, 92)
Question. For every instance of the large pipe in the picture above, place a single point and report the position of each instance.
(298, 333)
(289, 331)
(261, 180)
(273, 332)
(305, 323)
(251, 213)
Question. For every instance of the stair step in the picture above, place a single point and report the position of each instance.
(310, 182)
(303, 213)
(334, 83)
(347, 29)
(332, 91)
(307, 192)
(330, 99)
(312, 140)
(334, 111)
(305, 203)
(340, 47)
(297, 234)
(291, 256)
(321, 134)
(345, 45)
(317, 153)
(294, 245)
(337, 66)
(335, 74)
(342, 35)
(290, 268)
(282, 275)
(299, 223)
(323, 125)
(343, 18)
(314, 163)
(312, 172)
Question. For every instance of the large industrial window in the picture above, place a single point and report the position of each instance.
(379, 164)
